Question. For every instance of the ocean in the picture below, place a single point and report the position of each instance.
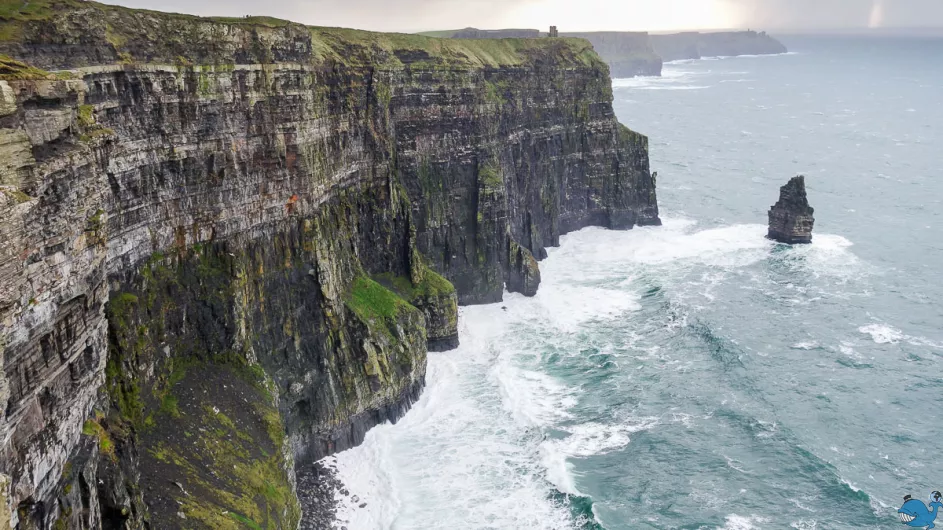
(697, 375)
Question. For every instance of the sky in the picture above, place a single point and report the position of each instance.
(575, 15)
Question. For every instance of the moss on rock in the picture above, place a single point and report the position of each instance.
(94, 428)
(11, 69)
(436, 298)
(18, 196)
(370, 300)
(221, 456)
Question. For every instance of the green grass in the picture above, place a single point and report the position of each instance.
(96, 133)
(268, 22)
(15, 13)
(86, 115)
(442, 34)
(181, 39)
(236, 472)
(92, 427)
(249, 523)
(12, 69)
(433, 284)
(490, 178)
(452, 52)
(369, 300)
(168, 406)
(18, 196)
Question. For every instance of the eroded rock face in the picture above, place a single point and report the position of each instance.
(790, 219)
(524, 273)
(297, 208)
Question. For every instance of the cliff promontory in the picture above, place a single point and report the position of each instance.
(631, 54)
(628, 53)
(695, 45)
(226, 245)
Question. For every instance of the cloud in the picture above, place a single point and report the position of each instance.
(573, 15)
(824, 14)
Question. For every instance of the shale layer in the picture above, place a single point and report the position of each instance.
(226, 245)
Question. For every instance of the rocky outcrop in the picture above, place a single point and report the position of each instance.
(523, 274)
(283, 215)
(694, 45)
(790, 219)
(629, 54)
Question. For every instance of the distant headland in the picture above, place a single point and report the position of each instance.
(631, 54)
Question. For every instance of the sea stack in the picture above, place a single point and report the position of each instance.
(790, 219)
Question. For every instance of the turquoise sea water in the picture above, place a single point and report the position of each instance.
(696, 375)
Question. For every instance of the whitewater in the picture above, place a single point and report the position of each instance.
(698, 375)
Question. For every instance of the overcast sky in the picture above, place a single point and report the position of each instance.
(575, 15)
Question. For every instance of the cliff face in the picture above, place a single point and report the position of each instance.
(226, 245)
(629, 54)
(693, 45)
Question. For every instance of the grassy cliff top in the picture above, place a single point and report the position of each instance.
(60, 34)
(441, 34)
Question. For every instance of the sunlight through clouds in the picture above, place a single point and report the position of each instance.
(877, 14)
(641, 15)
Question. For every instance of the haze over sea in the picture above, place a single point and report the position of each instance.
(697, 375)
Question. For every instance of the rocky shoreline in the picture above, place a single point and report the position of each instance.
(318, 487)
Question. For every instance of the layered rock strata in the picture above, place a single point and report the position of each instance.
(790, 219)
(227, 244)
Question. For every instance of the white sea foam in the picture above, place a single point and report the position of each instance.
(829, 255)
(755, 56)
(847, 349)
(807, 345)
(533, 398)
(886, 334)
(671, 79)
(882, 334)
(738, 522)
(479, 431)
(923, 341)
(735, 245)
(725, 57)
(567, 307)
(475, 459)
(583, 440)
(735, 464)
(494, 434)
